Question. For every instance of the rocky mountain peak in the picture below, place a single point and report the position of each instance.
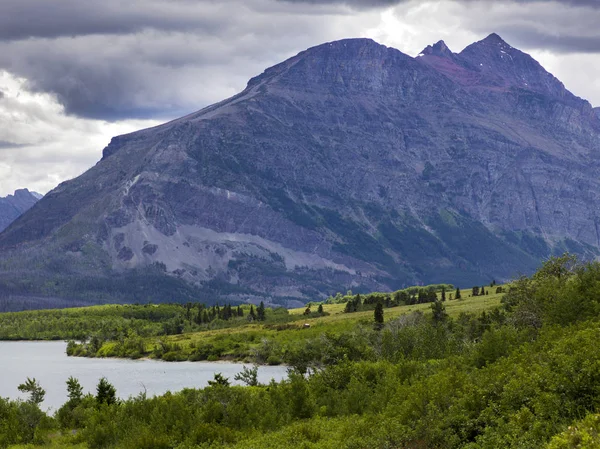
(349, 165)
(494, 39)
(12, 206)
(439, 49)
(348, 64)
(503, 67)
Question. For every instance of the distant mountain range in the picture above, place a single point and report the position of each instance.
(12, 206)
(348, 166)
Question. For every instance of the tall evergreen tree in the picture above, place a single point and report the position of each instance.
(252, 315)
(439, 312)
(105, 392)
(443, 293)
(74, 390)
(378, 313)
(260, 311)
(457, 296)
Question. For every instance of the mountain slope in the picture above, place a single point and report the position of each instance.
(350, 165)
(12, 206)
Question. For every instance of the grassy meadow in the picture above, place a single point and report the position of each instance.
(267, 342)
(519, 370)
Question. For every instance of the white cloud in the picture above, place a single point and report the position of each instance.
(40, 146)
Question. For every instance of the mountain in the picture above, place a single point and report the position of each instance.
(350, 165)
(12, 206)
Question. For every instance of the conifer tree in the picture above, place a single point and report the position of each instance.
(378, 313)
(74, 390)
(439, 312)
(36, 392)
(105, 393)
(260, 312)
(457, 296)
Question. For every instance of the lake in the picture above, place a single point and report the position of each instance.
(49, 364)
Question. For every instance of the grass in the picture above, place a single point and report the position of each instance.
(242, 343)
(134, 331)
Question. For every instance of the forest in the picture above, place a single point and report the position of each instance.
(524, 373)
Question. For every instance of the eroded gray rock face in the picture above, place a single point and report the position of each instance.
(13, 206)
(350, 165)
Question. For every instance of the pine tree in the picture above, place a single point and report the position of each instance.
(349, 308)
(74, 390)
(320, 309)
(443, 293)
(36, 392)
(431, 296)
(252, 314)
(219, 381)
(457, 296)
(358, 302)
(105, 393)
(378, 314)
(439, 312)
(249, 376)
(260, 311)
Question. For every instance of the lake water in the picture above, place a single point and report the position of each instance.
(49, 364)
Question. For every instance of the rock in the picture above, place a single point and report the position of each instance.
(350, 165)
(12, 206)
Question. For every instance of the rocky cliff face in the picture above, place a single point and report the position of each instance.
(12, 206)
(350, 165)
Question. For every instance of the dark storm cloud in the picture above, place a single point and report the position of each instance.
(559, 27)
(111, 60)
(559, 43)
(380, 3)
(362, 4)
(21, 19)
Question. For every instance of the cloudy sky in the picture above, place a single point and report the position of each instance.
(75, 73)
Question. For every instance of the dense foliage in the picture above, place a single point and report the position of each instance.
(111, 322)
(526, 375)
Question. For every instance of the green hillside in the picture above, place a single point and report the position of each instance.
(518, 371)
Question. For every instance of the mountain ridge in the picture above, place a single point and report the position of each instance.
(12, 206)
(349, 165)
